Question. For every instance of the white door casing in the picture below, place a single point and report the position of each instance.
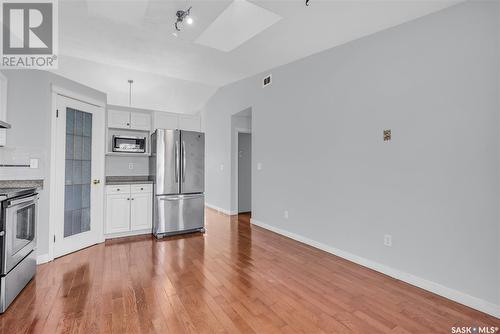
(64, 245)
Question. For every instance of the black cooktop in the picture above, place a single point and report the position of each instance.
(15, 192)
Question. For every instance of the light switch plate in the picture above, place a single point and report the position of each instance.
(259, 165)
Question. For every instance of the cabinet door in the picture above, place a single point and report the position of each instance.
(118, 119)
(189, 123)
(117, 213)
(165, 120)
(140, 121)
(141, 211)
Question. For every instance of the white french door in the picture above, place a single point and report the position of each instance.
(79, 175)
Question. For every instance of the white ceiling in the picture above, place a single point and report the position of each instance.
(239, 22)
(104, 43)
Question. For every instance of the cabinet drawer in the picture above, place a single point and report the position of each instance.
(141, 188)
(118, 189)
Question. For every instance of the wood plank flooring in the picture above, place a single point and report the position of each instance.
(236, 278)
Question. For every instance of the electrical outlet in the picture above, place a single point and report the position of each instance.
(221, 167)
(285, 214)
(33, 163)
(387, 135)
(259, 165)
(388, 240)
(130, 166)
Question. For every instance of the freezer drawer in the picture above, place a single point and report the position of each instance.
(178, 214)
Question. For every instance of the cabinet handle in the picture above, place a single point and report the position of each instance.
(132, 199)
(128, 199)
(118, 189)
(142, 188)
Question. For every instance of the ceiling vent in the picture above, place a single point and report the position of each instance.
(267, 80)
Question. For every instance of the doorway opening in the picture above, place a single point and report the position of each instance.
(241, 199)
(244, 172)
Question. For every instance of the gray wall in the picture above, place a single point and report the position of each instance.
(244, 172)
(29, 112)
(317, 130)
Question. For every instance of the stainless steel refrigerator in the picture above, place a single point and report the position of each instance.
(177, 164)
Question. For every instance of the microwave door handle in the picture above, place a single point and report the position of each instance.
(183, 161)
(177, 162)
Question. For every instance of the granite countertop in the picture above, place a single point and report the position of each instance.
(38, 183)
(118, 180)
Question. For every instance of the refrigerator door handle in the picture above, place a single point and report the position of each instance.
(177, 162)
(176, 198)
(183, 161)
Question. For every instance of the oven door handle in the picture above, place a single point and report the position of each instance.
(22, 200)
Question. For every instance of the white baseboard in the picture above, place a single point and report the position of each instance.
(224, 211)
(43, 258)
(457, 296)
(127, 234)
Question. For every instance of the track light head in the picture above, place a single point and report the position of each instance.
(181, 16)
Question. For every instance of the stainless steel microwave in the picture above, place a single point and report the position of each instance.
(129, 144)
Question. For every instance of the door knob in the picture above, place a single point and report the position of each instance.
(97, 181)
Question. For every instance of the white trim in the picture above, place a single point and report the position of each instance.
(43, 258)
(457, 296)
(77, 96)
(221, 210)
(235, 198)
(127, 234)
(53, 178)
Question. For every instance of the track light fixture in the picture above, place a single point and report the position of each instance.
(307, 2)
(181, 16)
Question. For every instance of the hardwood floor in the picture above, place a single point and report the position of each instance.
(235, 278)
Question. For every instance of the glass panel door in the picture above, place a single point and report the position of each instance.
(78, 172)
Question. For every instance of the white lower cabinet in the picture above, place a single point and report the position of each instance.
(117, 213)
(128, 209)
(140, 211)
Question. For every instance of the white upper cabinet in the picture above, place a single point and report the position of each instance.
(129, 120)
(190, 122)
(119, 119)
(163, 120)
(140, 121)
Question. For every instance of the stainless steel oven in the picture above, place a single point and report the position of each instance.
(129, 144)
(19, 211)
(20, 233)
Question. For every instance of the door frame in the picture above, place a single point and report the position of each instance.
(237, 131)
(101, 104)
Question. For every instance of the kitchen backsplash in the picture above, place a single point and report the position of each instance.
(20, 158)
(127, 166)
